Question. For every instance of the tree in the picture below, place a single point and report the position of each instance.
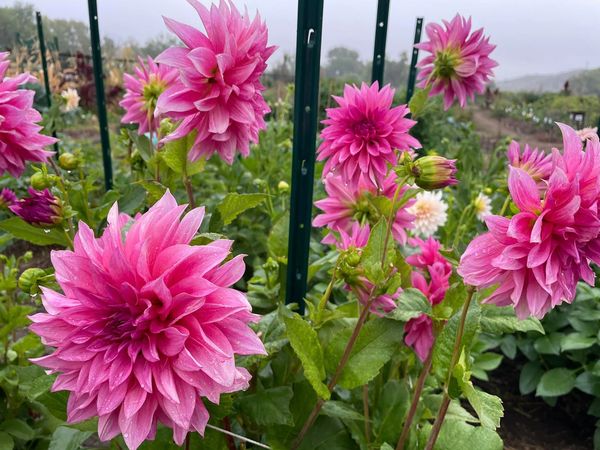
(344, 63)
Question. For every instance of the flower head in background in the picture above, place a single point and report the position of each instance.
(533, 161)
(142, 90)
(364, 133)
(147, 325)
(483, 206)
(459, 63)
(419, 335)
(347, 204)
(429, 211)
(71, 99)
(537, 256)
(218, 92)
(7, 198)
(588, 133)
(41, 208)
(20, 138)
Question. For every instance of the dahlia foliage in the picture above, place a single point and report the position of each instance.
(218, 93)
(147, 324)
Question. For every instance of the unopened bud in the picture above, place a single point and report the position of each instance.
(283, 186)
(28, 281)
(434, 172)
(68, 161)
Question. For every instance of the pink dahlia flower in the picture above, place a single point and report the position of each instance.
(7, 198)
(20, 138)
(432, 277)
(347, 204)
(533, 161)
(364, 134)
(218, 93)
(142, 91)
(41, 208)
(537, 257)
(459, 64)
(147, 325)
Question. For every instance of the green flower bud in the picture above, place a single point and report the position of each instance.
(68, 161)
(283, 186)
(28, 281)
(434, 172)
(41, 181)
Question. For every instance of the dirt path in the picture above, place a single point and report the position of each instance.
(493, 130)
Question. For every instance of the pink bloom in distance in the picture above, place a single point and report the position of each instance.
(41, 208)
(458, 64)
(20, 138)
(347, 204)
(147, 324)
(218, 93)
(364, 133)
(419, 335)
(537, 257)
(142, 90)
(533, 161)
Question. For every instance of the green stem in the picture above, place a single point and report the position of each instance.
(505, 205)
(439, 420)
(327, 293)
(461, 220)
(366, 414)
(189, 190)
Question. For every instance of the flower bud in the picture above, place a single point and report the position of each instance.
(434, 172)
(40, 180)
(283, 187)
(68, 161)
(28, 281)
(41, 208)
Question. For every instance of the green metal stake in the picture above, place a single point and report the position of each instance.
(306, 109)
(40, 29)
(383, 12)
(412, 74)
(100, 96)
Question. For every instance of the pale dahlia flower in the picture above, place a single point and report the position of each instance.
(459, 64)
(147, 325)
(218, 92)
(588, 133)
(533, 161)
(346, 204)
(431, 275)
(483, 206)
(20, 138)
(71, 99)
(537, 257)
(429, 211)
(142, 90)
(363, 135)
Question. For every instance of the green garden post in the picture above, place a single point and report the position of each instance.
(40, 30)
(100, 95)
(306, 109)
(412, 74)
(383, 12)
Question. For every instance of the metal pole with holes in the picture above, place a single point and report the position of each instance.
(412, 74)
(383, 11)
(100, 95)
(40, 30)
(306, 102)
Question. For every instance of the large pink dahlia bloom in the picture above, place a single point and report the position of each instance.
(537, 257)
(20, 138)
(218, 93)
(147, 324)
(364, 134)
(459, 64)
(142, 90)
(347, 204)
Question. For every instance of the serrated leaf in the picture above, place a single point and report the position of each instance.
(373, 253)
(65, 438)
(305, 342)
(418, 102)
(268, 407)
(20, 229)
(556, 382)
(175, 155)
(232, 206)
(456, 434)
(499, 320)
(530, 376)
(411, 304)
(487, 406)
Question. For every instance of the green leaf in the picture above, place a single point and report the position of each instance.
(411, 304)
(576, 341)
(175, 155)
(341, 410)
(18, 428)
(588, 383)
(269, 407)
(386, 446)
(327, 434)
(456, 435)
(232, 206)
(20, 229)
(548, 345)
(65, 438)
(530, 376)
(6, 441)
(154, 189)
(277, 242)
(303, 339)
(487, 406)
(499, 320)
(391, 410)
(372, 254)
(376, 344)
(556, 382)
(487, 361)
(418, 102)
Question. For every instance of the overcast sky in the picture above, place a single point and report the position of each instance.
(533, 36)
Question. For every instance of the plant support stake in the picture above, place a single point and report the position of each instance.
(40, 30)
(412, 74)
(100, 96)
(383, 12)
(306, 102)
